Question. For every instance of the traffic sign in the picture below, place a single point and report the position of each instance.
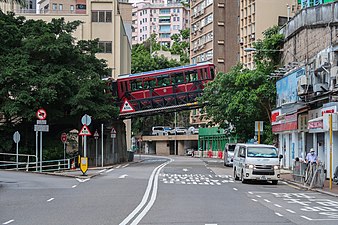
(41, 114)
(16, 137)
(126, 107)
(42, 128)
(85, 131)
(41, 122)
(96, 135)
(86, 120)
(113, 131)
(64, 137)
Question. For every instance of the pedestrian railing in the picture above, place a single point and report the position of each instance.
(30, 163)
(314, 175)
(299, 171)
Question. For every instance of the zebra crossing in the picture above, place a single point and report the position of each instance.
(195, 179)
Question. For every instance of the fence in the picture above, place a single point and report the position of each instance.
(312, 175)
(30, 163)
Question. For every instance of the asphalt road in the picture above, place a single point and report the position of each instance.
(159, 190)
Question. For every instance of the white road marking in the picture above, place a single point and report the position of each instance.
(290, 211)
(277, 205)
(123, 176)
(108, 171)
(211, 224)
(118, 166)
(185, 170)
(125, 165)
(74, 186)
(306, 217)
(284, 182)
(82, 180)
(250, 192)
(258, 196)
(51, 199)
(267, 200)
(8, 222)
(278, 214)
(101, 171)
(255, 200)
(235, 189)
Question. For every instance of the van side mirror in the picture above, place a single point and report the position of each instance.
(280, 156)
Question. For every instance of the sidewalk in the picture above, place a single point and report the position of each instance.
(286, 175)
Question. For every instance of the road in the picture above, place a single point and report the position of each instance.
(158, 190)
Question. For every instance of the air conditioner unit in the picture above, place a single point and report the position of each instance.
(301, 90)
(302, 81)
(334, 72)
(322, 58)
(241, 41)
(252, 36)
(320, 87)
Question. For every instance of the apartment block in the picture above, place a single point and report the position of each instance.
(214, 33)
(258, 15)
(163, 18)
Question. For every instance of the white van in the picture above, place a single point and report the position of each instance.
(256, 162)
(161, 130)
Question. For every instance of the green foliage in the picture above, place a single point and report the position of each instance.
(241, 96)
(41, 66)
(181, 45)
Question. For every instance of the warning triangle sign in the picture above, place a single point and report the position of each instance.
(126, 107)
(85, 131)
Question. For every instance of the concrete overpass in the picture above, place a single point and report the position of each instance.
(165, 145)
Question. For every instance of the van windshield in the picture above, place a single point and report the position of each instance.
(231, 148)
(262, 152)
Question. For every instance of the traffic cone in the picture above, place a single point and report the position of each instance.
(73, 165)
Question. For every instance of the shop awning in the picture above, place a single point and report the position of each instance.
(316, 123)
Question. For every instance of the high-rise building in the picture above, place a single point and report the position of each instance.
(161, 17)
(7, 6)
(214, 33)
(255, 17)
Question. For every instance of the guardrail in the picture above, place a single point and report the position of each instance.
(312, 175)
(30, 163)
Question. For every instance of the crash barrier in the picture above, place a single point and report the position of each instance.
(208, 154)
(314, 175)
(30, 163)
(299, 171)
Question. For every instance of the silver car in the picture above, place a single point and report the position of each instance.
(229, 154)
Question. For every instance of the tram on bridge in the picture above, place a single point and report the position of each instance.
(168, 90)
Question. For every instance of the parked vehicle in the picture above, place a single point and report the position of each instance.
(256, 162)
(161, 130)
(192, 130)
(229, 154)
(181, 130)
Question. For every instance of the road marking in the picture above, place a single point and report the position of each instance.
(51, 199)
(290, 211)
(254, 200)
(278, 214)
(267, 200)
(250, 192)
(101, 171)
(108, 171)
(123, 176)
(118, 166)
(284, 182)
(277, 205)
(185, 170)
(258, 196)
(82, 180)
(8, 222)
(125, 165)
(306, 217)
(235, 189)
(74, 186)
(211, 224)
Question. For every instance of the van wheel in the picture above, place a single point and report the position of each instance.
(275, 182)
(242, 177)
(235, 175)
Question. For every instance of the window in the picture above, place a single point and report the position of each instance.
(164, 11)
(163, 81)
(177, 78)
(102, 16)
(105, 46)
(55, 7)
(60, 7)
(136, 85)
(164, 28)
(191, 76)
(72, 9)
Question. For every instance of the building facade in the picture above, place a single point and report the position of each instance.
(307, 94)
(214, 33)
(163, 18)
(255, 17)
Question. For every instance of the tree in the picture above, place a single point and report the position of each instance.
(244, 96)
(42, 67)
(181, 45)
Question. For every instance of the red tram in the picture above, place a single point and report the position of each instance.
(162, 89)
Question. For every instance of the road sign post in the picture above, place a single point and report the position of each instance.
(113, 136)
(16, 138)
(102, 144)
(86, 121)
(64, 140)
(41, 126)
(96, 136)
(259, 130)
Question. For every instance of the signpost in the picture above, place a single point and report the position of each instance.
(16, 139)
(41, 126)
(64, 140)
(259, 129)
(96, 136)
(113, 136)
(86, 121)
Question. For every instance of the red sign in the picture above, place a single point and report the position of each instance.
(315, 124)
(85, 131)
(327, 111)
(126, 107)
(41, 114)
(284, 127)
(64, 137)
